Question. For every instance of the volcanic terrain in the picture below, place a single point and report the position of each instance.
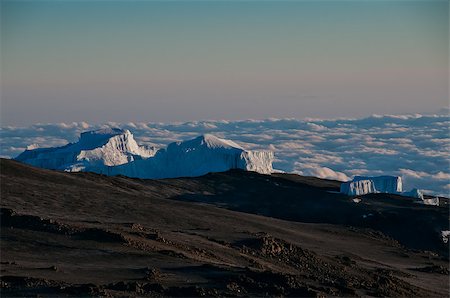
(234, 233)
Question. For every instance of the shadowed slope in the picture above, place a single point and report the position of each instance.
(87, 234)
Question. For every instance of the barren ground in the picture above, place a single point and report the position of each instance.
(224, 234)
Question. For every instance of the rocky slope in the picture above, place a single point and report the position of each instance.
(236, 234)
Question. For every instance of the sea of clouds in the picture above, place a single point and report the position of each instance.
(415, 147)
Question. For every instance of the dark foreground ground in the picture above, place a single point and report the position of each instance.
(224, 234)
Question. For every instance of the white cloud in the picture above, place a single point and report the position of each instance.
(413, 174)
(442, 176)
(324, 172)
(413, 146)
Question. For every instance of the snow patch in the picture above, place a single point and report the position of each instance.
(431, 202)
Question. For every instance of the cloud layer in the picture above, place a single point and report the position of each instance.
(415, 147)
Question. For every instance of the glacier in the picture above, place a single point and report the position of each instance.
(196, 157)
(361, 185)
(93, 151)
(114, 151)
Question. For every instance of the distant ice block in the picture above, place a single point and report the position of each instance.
(361, 185)
(433, 201)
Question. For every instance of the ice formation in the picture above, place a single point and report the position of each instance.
(415, 193)
(94, 150)
(197, 157)
(115, 152)
(433, 201)
(361, 185)
(383, 184)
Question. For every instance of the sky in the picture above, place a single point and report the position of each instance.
(165, 61)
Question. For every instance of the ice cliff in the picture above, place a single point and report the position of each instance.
(115, 152)
(93, 151)
(361, 185)
(197, 157)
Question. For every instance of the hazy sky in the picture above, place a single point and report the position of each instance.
(98, 61)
